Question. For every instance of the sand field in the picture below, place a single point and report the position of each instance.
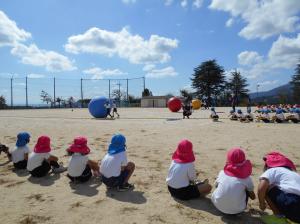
(152, 136)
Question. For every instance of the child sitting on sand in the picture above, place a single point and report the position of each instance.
(241, 116)
(234, 185)
(19, 155)
(41, 161)
(233, 116)
(294, 115)
(181, 180)
(264, 116)
(279, 186)
(214, 115)
(249, 116)
(114, 168)
(80, 166)
(279, 116)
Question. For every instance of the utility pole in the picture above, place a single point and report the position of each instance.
(109, 88)
(144, 81)
(257, 90)
(11, 92)
(81, 91)
(119, 84)
(127, 89)
(54, 92)
(26, 92)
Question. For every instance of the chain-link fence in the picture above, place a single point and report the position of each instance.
(59, 92)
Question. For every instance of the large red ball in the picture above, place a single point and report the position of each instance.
(174, 104)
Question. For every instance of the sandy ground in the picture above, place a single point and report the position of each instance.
(152, 135)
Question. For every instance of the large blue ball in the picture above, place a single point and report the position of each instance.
(96, 107)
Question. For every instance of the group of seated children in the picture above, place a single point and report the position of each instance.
(279, 185)
(239, 115)
(279, 117)
(114, 168)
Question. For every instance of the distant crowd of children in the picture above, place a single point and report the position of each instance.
(279, 184)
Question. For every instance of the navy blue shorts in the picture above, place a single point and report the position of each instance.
(288, 204)
(116, 181)
(185, 193)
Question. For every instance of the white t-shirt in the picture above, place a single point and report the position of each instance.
(230, 195)
(285, 179)
(113, 106)
(111, 164)
(266, 116)
(180, 174)
(241, 116)
(77, 164)
(213, 113)
(280, 116)
(107, 105)
(18, 153)
(36, 159)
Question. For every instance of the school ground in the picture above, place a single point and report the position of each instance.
(152, 136)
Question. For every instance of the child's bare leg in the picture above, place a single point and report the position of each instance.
(130, 167)
(272, 206)
(204, 189)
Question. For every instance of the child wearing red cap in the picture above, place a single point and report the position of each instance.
(181, 179)
(41, 161)
(80, 166)
(234, 184)
(279, 186)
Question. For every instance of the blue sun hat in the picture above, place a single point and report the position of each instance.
(212, 109)
(117, 144)
(22, 139)
(239, 111)
(297, 110)
(279, 111)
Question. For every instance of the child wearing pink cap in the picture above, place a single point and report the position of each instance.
(234, 184)
(80, 166)
(182, 179)
(41, 161)
(279, 186)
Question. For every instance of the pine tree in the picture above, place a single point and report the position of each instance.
(296, 84)
(237, 84)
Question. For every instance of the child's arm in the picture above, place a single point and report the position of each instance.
(93, 165)
(251, 195)
(261, 193)
(52, 158)
(26, 156)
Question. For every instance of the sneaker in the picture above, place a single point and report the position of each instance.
(59, 169)
(125, 187)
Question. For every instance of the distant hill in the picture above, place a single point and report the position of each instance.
(278, 94)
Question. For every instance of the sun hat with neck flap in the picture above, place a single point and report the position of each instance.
(79, 146)
(22, 139)
(42, 145)
(117, 145)
(276, 159)
(184, 152)
(237, 165)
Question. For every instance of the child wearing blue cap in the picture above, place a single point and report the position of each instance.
(19, 155)
(294, 115)
(249, 115)
(114, 168)
(241, 116)
(214, 115)
(279, 116)
(233, 116)
(264, 116)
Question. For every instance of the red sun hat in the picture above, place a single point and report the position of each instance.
(42, 145)
(237, 165)
(184, 152)
(79, 146)
(276, 159)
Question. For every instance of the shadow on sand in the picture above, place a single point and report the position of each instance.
(135, 197)
(88, 188)
(204, 204)
(47, 180)
(20, 172)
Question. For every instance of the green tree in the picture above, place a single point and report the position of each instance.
(45, 97)
(188, 96)
(237, 85)
(146, 92)
(296, 84)
(59, 100)
(208, 80)
(2, 102)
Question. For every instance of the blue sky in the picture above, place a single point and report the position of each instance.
(163, 40)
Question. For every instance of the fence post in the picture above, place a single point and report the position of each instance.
(109, 88)
(81, 93)
(54, 97)
(26, 92)
(127, 90)
(11, 93)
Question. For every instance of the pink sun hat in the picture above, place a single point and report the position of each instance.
(184, 152)
(276, 159)
(237, 165)
(79, 146)
(42, 145)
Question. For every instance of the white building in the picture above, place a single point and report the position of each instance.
(154, 101)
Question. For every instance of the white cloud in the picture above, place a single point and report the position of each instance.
(162, 73)
(99, 73)
(32, 55)
(198, 3)
(263, 18)
(131, 47)
(168, 2)
(268, 82)
(35, 76)
(128, 1)
(184, 3)
(148, 67)
(249, 58)
(284, 54)
(10, 33)
(229, 22)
